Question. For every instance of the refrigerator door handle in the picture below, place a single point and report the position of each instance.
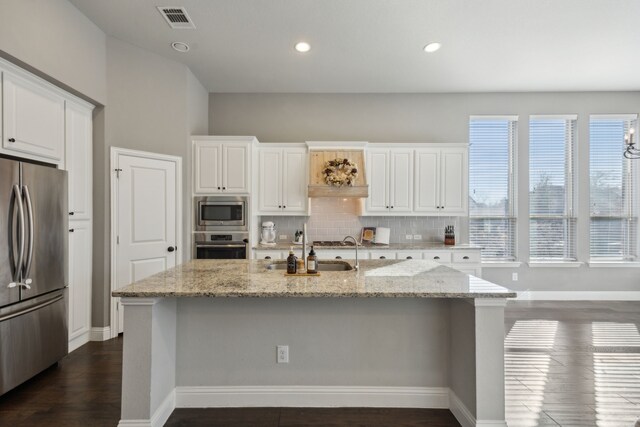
(27, 261)
(21, 238)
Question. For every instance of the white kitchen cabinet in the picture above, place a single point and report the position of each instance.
(282, 189)
(222, 164)
(33, 118)
(382, 254)
(79, 283)
(268, 254)
(441, 181)
(390, 176)
(78, 159)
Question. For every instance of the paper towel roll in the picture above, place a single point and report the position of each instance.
(382, 235)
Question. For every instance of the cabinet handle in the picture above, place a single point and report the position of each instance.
(465, 257)
(267, 257)
(441, 207)
(387, 207)
(279, 206)
(12, 140)
(436, 257)
(71, 230)
(224, 188)
(409, 257)
(72, 213)
(383, 257)
(391, 207)
(284, 207)
(218, 188)
(338, 257)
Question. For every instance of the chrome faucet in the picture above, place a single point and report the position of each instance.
(357, 266)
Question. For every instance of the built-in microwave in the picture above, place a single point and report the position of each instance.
(221, 213)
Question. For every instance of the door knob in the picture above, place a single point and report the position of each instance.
(171, 248)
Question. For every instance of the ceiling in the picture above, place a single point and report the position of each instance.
(377, 45)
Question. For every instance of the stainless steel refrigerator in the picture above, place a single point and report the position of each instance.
(33, 270)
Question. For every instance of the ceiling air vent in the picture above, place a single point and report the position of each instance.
(176, 17)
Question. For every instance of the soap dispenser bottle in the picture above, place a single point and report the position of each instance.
(312, 262)
(291, 263)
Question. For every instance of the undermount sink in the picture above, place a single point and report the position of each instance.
(322, 266)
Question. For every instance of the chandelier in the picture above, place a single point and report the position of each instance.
(631, 152)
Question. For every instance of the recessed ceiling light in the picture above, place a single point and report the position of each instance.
(432, 47)
(180, 46)
(303, 47)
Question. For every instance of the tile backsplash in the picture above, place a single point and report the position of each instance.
(335, 218)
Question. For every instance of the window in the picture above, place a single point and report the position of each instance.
(492, 220)
(552, 225)
(614, 221)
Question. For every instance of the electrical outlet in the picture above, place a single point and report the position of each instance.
(417, 237)
(282, 353)
(514, 277)
(283, 237)
(409, 237)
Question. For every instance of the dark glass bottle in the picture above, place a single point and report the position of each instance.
(292, 266)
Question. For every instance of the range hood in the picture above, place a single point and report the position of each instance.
(322, 151)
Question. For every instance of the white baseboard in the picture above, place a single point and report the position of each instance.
(578, 295)
(79, 341)
(317, 397)
(100, 334)
(460, 411)
(160, 416)
(464, 416)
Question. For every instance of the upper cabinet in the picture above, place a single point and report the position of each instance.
(390, 176)
(441, 181)
(282, 186)
(417, 179)
(33, 117)
(78, 159)
(222, 164)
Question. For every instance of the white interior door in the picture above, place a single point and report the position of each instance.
(146, 219)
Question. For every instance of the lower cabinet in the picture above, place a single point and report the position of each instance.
(79, 283)
(466, 260)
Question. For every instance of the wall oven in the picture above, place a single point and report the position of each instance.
(221, 245)
(215, 213)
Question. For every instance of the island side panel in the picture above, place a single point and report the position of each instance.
(148, 364)
(463, 358)
(375, 342)
(489, 326)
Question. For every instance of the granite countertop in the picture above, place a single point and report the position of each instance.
(423, 246)
(376, 278)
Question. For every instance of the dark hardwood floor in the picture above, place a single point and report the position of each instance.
(569, 364)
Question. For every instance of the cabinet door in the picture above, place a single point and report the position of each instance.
(454, 182)
(382, 255)
(401, 181)
(427, 178)
(79, 282)
(78, 159)
(235, 168)
(267, 254)
(269, 187)
(378, 173)
(33, 117)
(294, 181)
(208, 167)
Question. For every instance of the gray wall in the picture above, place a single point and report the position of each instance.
(441, 118)
(154, 104)
(56, 41)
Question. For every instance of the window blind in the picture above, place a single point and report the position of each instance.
(492, 222)
(552, 226)
(613, 190)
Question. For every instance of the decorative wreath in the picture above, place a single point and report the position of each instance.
(340, 172)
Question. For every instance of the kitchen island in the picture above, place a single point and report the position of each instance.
(401, 333)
